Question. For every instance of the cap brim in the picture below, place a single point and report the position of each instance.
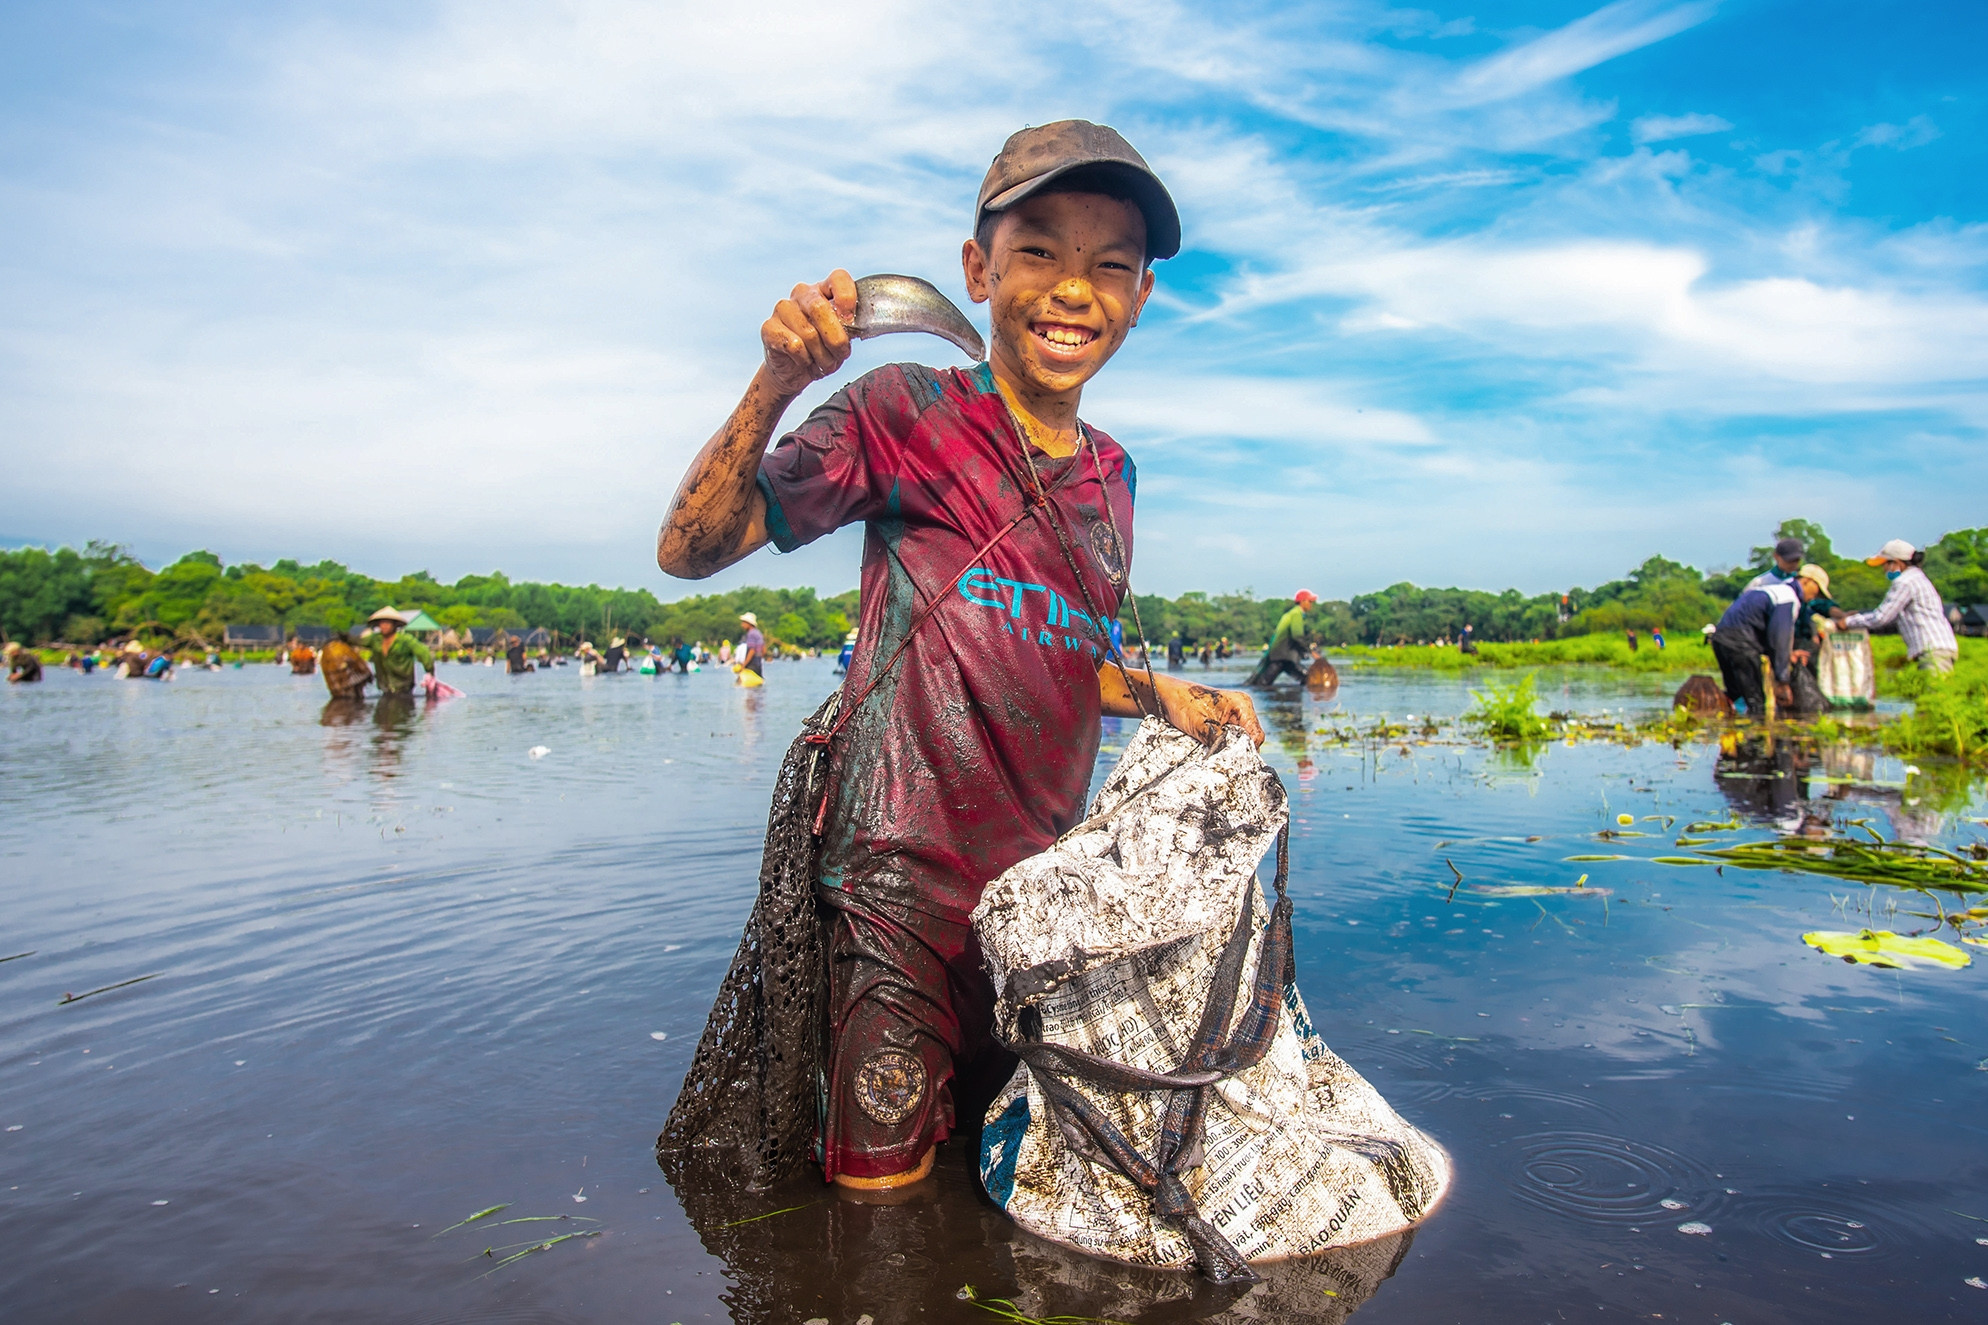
(1879, 560)
(1155, 203)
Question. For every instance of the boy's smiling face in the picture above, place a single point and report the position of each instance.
(1064, 283)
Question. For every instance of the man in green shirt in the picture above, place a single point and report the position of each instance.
(1290, 648)
(395, 654)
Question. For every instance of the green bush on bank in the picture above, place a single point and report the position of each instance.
(1688, 654)
(1949, 714)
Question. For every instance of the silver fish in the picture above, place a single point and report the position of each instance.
(887, 303)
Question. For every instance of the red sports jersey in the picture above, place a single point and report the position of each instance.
(976, 750)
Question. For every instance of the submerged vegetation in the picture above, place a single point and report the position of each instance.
(512, 1252)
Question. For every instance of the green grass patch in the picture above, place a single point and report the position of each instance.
(1682, 654)
(1509, 713)
(1949, 715)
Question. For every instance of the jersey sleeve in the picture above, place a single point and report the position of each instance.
(839, 466)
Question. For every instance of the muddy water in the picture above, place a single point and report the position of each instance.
(405, 971)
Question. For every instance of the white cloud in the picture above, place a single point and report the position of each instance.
(1614, 29)
(1663, 128)
(470, 289)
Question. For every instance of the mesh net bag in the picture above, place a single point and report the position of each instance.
(751, 1100)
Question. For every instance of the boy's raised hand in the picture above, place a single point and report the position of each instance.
(807, 338)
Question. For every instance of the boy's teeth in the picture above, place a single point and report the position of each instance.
(1069, 336)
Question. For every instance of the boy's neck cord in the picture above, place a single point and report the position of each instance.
(1118, 546)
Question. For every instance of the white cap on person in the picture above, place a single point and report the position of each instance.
(1896, 550)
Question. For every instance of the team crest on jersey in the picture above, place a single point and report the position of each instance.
(1104, 546)
(889, 1085)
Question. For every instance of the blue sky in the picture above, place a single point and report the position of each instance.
(1484, 294)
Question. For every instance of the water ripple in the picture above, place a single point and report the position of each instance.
(1610, 1179)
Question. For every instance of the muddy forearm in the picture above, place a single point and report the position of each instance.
(719, 514)
(1198, 710)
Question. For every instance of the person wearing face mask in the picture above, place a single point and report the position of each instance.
(1913, 606)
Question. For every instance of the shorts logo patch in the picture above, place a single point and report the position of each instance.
(1104, 546)
(889, 1085)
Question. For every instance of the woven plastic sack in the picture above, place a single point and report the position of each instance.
(1846, 670)
(1118, 943)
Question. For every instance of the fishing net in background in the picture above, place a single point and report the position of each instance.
(751, 1100)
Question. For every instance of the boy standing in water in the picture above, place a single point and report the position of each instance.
(974, 732)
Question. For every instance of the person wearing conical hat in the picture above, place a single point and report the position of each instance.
(395, 653)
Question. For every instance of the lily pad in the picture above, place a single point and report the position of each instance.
(1594, 858)
(1681, 860)
(1881, 947)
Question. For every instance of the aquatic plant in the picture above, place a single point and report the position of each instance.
(1949, 713)
(517, 1251)
(1881, 947)
(1508, 713)
(1005, 1309)
(1896, 864)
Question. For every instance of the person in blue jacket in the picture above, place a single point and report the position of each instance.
(1760, 624)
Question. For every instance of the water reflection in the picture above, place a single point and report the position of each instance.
(1764, 779)
(912, 1256)
(493, 995)
(339, 712)
(1792, 784)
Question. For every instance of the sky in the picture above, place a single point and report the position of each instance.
(1485, 295)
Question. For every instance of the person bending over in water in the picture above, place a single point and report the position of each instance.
(981, 490)
(1290, 647)
(23, 665)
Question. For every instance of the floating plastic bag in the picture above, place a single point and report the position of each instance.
(1174, 1106)
(1846, 670)
(436, 688)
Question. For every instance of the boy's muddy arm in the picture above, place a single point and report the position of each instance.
(1200, 711)
(719, 514)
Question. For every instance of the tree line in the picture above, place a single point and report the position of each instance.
(103, 592)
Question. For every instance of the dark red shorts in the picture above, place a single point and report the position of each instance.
(911, 1012)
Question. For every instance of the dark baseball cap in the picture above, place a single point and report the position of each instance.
(1031, 159)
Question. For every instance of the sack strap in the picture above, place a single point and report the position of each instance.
(1215, 1055)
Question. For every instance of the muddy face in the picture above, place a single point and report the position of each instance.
(1064, 284)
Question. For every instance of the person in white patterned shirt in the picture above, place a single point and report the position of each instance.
(1913, 605)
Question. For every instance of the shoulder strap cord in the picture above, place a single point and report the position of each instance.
(1097, 466)
(1216, 1053)
(1145, 649)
